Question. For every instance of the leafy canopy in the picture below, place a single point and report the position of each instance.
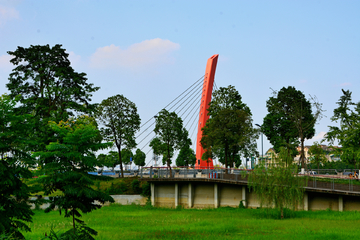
(170, 135)
(72, 157)
(186, 155)
(139, 158)
(229, 132)
(15, 160)
(317, 154)
(49, 87)
(348, 133)
(121, 121)
(278, 183)
(290, 118)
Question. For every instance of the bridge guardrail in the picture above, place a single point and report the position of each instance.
(332, 182)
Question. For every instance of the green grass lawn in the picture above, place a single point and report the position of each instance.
(137, 222)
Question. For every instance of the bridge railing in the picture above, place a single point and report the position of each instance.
(338, 181)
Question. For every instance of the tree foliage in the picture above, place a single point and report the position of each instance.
(317, 154)
(348, 133)
(49, 87)
(108, 160)
(186, 155)
(121, 121)
(290, 118)
(139, 158)
(229, 131)
(126, 155)
(278, 185)
(72, 157)
(171, 136)
(15, 160)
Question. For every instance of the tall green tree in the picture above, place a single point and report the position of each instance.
(277, 185)
(108, 160)
(121, 121)
(127, 155)
(139, 158)
(186, 155)
(317, 154)
(229, 131)
(49, 87)
(234, 158)
(72, 157)
(290, 119)
(171, 136)
(348, 133)
(15, 161)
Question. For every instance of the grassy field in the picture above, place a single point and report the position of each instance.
(137, 222)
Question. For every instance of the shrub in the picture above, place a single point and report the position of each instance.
(146, 191)
(135, 185)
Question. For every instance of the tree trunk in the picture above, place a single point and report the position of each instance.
(302, 153)
(282, 212)
(226, 160)
(120, 161)
(169, 165)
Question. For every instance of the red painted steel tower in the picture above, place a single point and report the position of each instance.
(204, 104)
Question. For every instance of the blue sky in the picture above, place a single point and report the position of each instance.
(151, 51)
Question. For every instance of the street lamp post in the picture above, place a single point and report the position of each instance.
(262, 142)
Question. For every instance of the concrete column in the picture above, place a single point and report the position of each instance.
(306, 202)
(176, 195)
(243, 195)
(152, 188)
(341, 203)
(190, 196)
(216, 195)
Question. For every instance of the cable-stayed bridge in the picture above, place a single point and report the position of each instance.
(191, 106)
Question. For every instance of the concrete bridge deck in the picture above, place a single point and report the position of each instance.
(202, 190)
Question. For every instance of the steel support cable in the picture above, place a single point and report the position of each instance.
(151, 126)
(150, 159)
(144, 131)
(194, 111)
(185, 91)
(194, 106)
(182, 99)
(216, 88)
(170, 103)
(194, 116)
(195, 97)
(197, 82)
(145, 137)
(194, 128)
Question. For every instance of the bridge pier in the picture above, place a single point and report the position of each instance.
(176, 195)
(216, 195)
(190, 196)
(243, 196)
(341, 204)
(152, 190)
(306, 202)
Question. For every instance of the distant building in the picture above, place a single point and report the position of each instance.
(329, 154)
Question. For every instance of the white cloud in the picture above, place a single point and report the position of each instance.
(345, 84)
(5, 62)
(319, 136)
(8, 13)
(146, 53)
(74, 59)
